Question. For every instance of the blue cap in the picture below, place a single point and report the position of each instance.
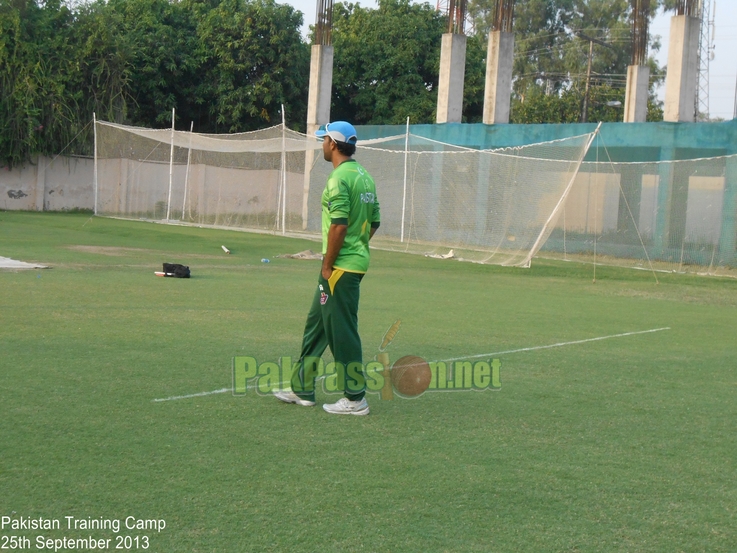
(340, 131)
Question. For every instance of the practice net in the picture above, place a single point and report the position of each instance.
(675, 216)
(488, 206)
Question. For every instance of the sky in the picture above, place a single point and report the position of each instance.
(722, 70)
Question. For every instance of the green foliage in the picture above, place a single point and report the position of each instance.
(254, 60)
(159, 40)
(104, 62)
(552, 52)
(227, 65)
(39, 98)
(566, 106)
(475, 80)
(386, 62)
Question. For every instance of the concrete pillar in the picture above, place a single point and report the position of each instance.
(482, 197)
(498, 89)
(662, 213)
(670, 218)
(728, 234)
(635, 103)
(452, 74)
(630, 198)
(434, 199)
(682, 76)
(318, 108)
(321, 84)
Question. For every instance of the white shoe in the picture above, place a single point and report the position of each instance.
(345, 406)
(288, 396)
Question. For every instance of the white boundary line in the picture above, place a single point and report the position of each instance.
(558, 345)
(172, 398)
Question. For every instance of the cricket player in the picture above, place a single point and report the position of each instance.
(350, 217)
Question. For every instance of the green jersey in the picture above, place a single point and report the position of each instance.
(350, 199)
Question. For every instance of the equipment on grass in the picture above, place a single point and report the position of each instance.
(175, 270)
(411, 375)
(226, 250)
(383, 358)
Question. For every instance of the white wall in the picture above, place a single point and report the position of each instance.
(45, 185)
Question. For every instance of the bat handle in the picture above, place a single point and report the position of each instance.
(386, 392)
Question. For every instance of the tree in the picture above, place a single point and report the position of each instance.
(475, 79)
(57, 67)
(228, 65)
(160, 43)
(105, 62)
(253, 60)
(552, 50)
(605, 104)
(386, 62)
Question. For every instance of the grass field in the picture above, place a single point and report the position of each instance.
(621, 444)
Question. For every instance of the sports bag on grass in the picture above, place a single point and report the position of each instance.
(176, 270)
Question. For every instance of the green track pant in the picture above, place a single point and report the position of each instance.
(333, 322)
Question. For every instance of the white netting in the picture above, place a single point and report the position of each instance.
(238, 180)
(677, 215)
(493, 206)
(487, 206)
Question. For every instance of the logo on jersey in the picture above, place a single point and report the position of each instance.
(323, 298)
(368, 197)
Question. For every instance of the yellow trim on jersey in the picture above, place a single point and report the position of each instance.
(350, 270)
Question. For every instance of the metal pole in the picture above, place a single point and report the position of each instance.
(186, 175)
(94, 125)
(585, 114)
(171, 165)
(283, 171)
(404, 191)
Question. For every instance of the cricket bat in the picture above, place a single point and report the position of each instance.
(387, 391)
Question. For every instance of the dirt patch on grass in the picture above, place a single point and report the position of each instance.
(115, 251)
(110, 250)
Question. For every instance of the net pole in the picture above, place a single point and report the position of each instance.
(94, 124)
(277, 221)
(596, 209)
(538, 242)
(171, 166)
(186, 175)
(404, 190)
(283, 171)
(277, 218)
(309, 160)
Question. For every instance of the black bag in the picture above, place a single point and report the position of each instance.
(176, 270)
